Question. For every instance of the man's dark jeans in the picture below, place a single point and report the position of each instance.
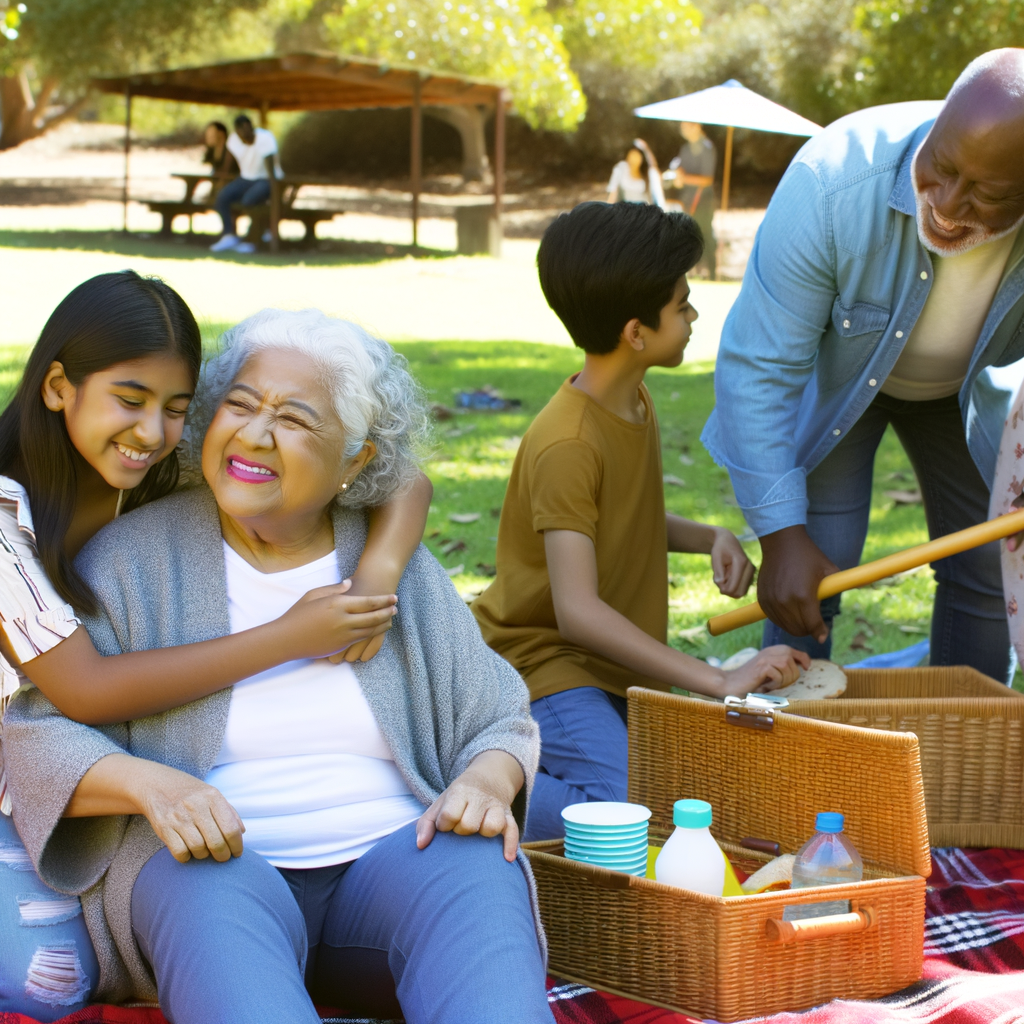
(969, 618)
(246, 191)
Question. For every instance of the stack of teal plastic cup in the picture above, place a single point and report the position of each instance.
(609, 835)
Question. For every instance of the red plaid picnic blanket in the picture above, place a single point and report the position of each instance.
(973, 970)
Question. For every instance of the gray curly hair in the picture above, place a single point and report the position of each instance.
(374, 395)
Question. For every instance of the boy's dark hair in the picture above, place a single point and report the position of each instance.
(109, 319)
(603, 264)
(243, 119)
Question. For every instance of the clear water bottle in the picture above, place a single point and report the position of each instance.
(828, 857)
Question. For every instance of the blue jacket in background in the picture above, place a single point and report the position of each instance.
(835, 283)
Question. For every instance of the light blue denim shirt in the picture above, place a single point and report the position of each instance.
(836, 281)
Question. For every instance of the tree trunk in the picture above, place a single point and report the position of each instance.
(469, 122)
(22, 116)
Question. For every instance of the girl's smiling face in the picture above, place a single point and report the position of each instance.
(126, 418)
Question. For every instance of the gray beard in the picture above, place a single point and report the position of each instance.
(977, 235)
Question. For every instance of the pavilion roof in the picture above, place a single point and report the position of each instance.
(305, 81)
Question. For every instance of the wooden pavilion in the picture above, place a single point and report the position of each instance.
(321, 81)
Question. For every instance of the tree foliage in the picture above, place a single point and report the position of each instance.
(512, 41)
(914, 49)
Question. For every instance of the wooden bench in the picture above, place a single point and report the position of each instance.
(308, 217)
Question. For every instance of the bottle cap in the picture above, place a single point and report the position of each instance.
(691, 814)
(829, 821)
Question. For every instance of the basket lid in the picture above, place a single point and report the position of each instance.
(770, 782)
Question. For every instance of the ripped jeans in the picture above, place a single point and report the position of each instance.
(47, 965)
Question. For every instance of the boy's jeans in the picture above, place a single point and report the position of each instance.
(969, 617)
(583, 754)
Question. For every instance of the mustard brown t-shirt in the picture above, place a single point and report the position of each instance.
(582, 468)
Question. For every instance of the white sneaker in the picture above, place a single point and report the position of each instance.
(245, 247)
(224, 243)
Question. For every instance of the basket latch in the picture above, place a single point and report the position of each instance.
(754, 711)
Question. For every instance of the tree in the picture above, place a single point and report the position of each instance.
(40, 66)
(510, 41)
(915, 49)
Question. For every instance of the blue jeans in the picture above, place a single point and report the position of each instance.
(47, 965)
(583, 755)
(444, 933)
(246, 191)
(969, 617)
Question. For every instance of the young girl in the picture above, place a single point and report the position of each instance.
(637, 179)
(90, 434)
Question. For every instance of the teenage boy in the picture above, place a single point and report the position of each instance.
(255, 150)
(580, 601)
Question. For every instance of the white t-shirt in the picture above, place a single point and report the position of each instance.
(636, 190)
(251, 159)
(303, 760)
(934, 361)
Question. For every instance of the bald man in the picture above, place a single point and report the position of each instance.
(886, 286)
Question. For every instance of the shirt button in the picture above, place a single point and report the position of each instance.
(836, 432)
(846, 323)
(872, 382)
(924, 275)
(899, 334)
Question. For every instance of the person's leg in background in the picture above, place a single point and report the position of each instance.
(47, 965)
(231, 193)
(704, 216)
(226, 942)
(452, 924)
(256, 195)
(583, 755)
(839, 506)
(969, 618)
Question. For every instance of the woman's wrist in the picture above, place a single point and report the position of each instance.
(499, 770)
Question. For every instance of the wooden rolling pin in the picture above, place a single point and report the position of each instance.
(872, 572)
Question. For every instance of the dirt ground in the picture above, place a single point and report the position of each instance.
(73, 178)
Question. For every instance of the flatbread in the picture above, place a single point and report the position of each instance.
(824, 680)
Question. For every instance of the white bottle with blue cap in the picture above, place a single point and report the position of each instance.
(828, 857)
(691, 859)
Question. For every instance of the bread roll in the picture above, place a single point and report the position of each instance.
(824, 680)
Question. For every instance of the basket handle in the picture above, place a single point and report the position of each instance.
(819, 927)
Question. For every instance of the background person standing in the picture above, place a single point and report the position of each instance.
(255, 150)
(695, 179)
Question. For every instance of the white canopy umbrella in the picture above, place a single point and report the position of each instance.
(735, 106)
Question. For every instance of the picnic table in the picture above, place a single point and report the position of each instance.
(283, 194)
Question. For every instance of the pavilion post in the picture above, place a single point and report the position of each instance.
(127, 151)
(416, 156)
(727, 169)
(499, 155)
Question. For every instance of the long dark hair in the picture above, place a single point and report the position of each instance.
(109, 319)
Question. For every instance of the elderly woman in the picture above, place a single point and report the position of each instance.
(380, 802)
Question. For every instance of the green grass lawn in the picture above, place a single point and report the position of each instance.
(474, 458)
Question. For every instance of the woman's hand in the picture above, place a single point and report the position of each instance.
(734, 572)
(479, 800)
(190, 817)
(771, 668)
(328, 620)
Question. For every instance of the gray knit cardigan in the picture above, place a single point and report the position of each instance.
(438, 693)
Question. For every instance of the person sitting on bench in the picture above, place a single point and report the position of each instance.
(255, 149)
(223, 165)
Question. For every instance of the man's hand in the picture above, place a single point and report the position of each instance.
(328, 620)
(773, 667)
(479, 800)
(734, 572)
(792, 566)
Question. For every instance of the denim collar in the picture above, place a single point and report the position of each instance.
(902, 196)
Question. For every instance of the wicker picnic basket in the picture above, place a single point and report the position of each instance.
(735, 957)
(971, 733)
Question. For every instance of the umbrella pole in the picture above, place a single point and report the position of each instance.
(727, 169)
(416, 158)
(127, 151)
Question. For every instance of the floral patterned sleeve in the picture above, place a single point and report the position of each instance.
(1006, 488)
(33, 616)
